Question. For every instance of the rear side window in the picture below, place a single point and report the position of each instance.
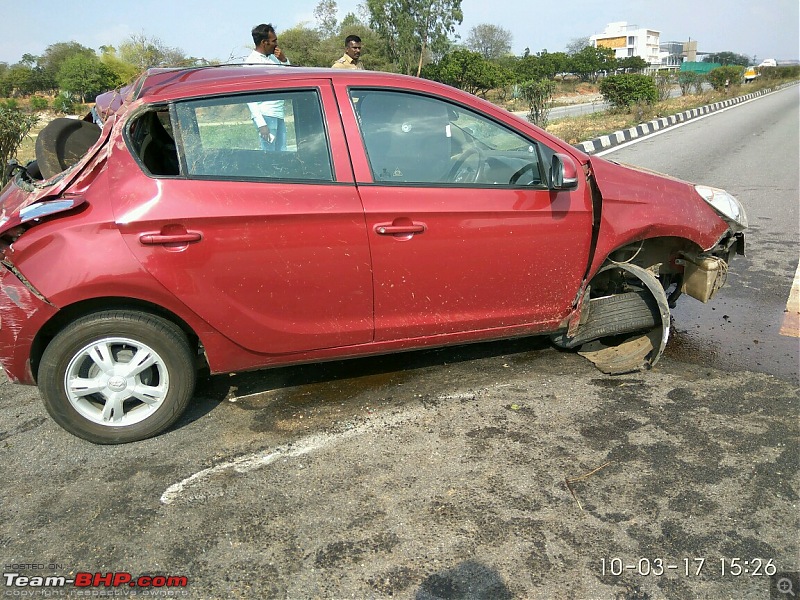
(271, 135)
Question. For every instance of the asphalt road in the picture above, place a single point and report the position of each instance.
(504, 470)
(752, 151)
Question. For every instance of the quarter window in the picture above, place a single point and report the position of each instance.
(226, 138)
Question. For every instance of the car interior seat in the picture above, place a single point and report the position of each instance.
(406, 136)
(158, 151)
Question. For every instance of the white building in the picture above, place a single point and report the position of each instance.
(630, 40)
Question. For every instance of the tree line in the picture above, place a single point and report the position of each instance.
(414, 37)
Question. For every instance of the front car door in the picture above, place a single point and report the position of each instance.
(465, 232)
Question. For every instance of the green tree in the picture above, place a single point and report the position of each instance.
(306, 47)
(492, 41)
(469, 71)
(145, 52)
(632, 64)
(538, 95)
(544, 65)
(5, 87)
(86, 77)
(575, 45)
(590, 62)
(414, 28)
(727, 58)
(14, 126)
(19, 80)
(626, 89)
(125, 72)
(55, 55)
(325, 14)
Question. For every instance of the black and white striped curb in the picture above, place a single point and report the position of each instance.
(626, 135)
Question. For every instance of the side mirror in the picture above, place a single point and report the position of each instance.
(563, 173)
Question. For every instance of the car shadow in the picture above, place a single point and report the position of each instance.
(356, 374)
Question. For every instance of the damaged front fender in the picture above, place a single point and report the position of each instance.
(644, 337)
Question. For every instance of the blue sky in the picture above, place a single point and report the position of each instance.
(218, 30)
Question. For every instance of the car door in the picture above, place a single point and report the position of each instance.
(268, 247)
(464, 230)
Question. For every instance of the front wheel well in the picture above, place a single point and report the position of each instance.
(647, 253)
(70, 313)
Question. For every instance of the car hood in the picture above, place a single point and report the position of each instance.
(649, 204)
(617, 180)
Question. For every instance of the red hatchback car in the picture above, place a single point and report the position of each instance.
(391, 213)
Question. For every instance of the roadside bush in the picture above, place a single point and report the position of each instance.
(14, 126)
(722, 77)
(778, 73)
(63, 103)
(10, 104)
(690, 80)
(39, 103)
(621, 91)
(664, 82)
(538, 96)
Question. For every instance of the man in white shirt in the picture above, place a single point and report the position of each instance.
(268, 115)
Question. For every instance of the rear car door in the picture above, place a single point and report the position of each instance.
(268, 247)
(464, 230)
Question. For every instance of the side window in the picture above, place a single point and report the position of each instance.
(417, 139)
(152, 140)
(272, 135)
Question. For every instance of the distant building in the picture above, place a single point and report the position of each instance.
(630, 40)
(674, 54)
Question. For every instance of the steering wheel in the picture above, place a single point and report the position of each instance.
(461, 172)
(520, 172)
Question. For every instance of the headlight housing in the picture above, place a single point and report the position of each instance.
(728, 207)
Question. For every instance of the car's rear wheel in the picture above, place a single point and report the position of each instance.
(117, 376)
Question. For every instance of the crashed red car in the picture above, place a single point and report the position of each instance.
(398, 214)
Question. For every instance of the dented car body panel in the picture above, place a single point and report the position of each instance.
(396, 213)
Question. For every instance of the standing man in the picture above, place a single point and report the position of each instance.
(269, 115)
(352, 54)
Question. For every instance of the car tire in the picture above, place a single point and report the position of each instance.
(612, 316)
(90, 386)
(62, 143)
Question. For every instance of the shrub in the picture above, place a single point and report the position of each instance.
(14, 126)
(537, 96)
(39, 103)
(664, 82)
(778, 73)
(621, 91)
(690, 79)
(722, 77)
(63, 103)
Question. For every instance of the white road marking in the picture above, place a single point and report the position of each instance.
(677, 126)
(251, 462)
(791, 318)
